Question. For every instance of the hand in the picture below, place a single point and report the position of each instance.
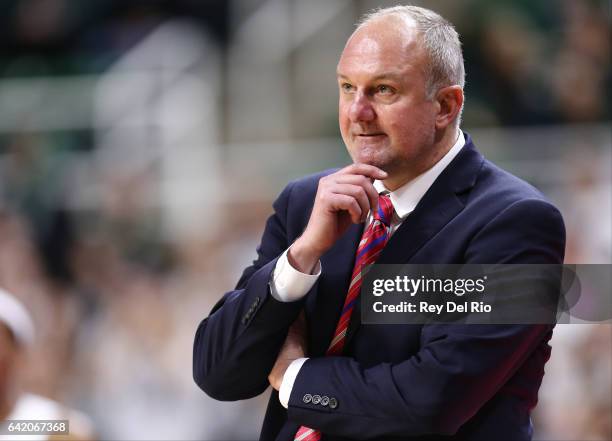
(293, 348)
(342, 198)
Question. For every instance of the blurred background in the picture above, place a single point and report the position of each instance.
(142, 143)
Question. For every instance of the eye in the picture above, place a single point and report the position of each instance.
(346, 87)
(384, 89)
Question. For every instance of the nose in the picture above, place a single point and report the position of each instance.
(361, 109)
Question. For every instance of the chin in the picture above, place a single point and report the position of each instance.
(368, 155)
(376, 162)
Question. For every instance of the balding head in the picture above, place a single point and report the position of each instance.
(435, 35)
(385, 45)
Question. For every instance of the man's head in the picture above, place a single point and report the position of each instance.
(401, 80)
(16, 335)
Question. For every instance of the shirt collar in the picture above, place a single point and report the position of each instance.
(406, 198)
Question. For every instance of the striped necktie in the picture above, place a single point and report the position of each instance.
(372, 242)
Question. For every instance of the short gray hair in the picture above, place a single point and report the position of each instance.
(439, 39)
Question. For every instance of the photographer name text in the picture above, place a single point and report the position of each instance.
(426, 307)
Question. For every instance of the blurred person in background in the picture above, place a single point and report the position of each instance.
(16, 339)
(419, 183)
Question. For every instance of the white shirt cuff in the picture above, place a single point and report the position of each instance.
(289, 284)
(288, 379)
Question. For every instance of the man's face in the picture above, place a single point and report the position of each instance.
(385, 117)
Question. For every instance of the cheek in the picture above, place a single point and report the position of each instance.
(343, 122)
(404, 128)
(411, 123)
(342, 113)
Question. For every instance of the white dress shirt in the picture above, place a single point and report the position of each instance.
(289, 284)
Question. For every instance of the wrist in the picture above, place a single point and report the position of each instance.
(278, 373)
(289, 378)
(303, 256)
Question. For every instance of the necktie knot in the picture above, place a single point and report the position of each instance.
(384, 212)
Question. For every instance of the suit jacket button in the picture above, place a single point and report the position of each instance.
(316, 399)
(307, 398)
(324, 400)
(333, 403)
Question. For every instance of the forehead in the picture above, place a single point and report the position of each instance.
(386, 45)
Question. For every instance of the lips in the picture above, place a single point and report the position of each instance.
(370, 135)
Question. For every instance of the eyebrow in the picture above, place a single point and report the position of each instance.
(382, 76)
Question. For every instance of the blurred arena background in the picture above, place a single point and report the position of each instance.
(142, 142)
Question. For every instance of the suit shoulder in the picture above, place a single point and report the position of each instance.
(497, 184)
(512, 221)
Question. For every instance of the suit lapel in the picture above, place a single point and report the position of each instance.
(437, 207)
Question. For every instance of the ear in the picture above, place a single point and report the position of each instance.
(449, 100)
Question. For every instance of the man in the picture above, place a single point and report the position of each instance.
(16, 338)
(400, 81)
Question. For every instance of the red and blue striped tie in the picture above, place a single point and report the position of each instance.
(372, 242)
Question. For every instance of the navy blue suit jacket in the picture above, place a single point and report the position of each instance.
(476, 382)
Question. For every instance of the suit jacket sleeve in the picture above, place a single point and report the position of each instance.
(458, 367)
(236, 345)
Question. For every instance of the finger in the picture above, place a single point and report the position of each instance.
(365, 183)
(364, 169)
(358, 193)
(349, 204)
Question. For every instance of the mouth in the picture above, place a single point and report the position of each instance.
(370, 135)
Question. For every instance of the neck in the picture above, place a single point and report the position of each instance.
(443, 142)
